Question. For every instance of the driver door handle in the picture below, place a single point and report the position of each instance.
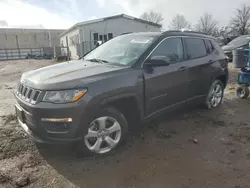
(183, 68)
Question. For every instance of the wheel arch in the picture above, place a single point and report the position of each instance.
(223, 78)
(129, 104)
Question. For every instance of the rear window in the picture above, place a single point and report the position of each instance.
(195, 48)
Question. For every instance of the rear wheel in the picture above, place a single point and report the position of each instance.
(215, 95)
(242, 92)
(106, 132)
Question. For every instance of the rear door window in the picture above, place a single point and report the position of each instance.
(195, 48)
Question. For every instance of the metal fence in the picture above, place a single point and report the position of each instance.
(33, 53)
(14, 53)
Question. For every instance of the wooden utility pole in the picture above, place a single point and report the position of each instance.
(50, 45)
(67, 43)
(17, 44)
(6, 53)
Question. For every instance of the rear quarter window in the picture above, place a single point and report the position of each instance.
(209, 45)
(195, 48)
(217, 47)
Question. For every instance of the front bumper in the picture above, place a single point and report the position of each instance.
(48, 140)
(51, 132)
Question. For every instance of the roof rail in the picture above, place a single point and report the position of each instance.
(126, 33)
(186, 31)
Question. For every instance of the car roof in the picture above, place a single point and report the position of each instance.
(187, 33)
(149, 34)
(172, 33)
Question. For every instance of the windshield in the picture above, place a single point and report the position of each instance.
(240, 41)
(123, 50)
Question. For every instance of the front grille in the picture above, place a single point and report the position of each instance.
(28, 94)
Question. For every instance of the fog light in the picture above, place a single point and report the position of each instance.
(57, 119)
(56, 127)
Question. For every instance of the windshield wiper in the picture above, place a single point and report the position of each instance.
(96, 60)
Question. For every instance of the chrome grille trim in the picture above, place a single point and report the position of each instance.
(28, 94)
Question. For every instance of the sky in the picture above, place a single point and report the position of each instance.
(62, 14)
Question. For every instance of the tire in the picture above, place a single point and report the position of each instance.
(242, 92)
(105, 133)
(214, 97)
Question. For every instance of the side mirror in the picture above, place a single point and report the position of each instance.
(157, 61)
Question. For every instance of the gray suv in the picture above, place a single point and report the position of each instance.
(131, 78)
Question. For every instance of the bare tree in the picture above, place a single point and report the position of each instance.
(207, 24)
(179, 22)
(152, 17)
(241, 21)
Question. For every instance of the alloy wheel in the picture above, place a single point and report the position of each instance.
(103, 135)
(216, 95)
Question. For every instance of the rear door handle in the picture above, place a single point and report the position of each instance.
(183, 68)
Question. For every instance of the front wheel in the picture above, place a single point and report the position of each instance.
(215, 95)
(107, 130)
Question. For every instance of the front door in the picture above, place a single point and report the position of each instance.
(166, 85)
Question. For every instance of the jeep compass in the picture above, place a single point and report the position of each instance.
(131, 78)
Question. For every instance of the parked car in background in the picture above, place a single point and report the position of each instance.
(241, 42)
(224, 40)
(220, 41)
(127, 80)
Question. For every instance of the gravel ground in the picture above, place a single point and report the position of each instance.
(191, 148)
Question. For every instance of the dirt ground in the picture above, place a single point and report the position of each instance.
(192, 148)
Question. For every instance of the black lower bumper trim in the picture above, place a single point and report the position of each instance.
(48, 140)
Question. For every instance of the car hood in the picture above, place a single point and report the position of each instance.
(67, 75)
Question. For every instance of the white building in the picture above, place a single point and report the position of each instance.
(83, 36)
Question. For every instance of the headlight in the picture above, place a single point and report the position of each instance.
(64, 96)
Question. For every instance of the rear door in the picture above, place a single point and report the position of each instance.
(166, 85)
(198, 61)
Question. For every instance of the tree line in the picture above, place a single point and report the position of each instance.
(239, 24)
